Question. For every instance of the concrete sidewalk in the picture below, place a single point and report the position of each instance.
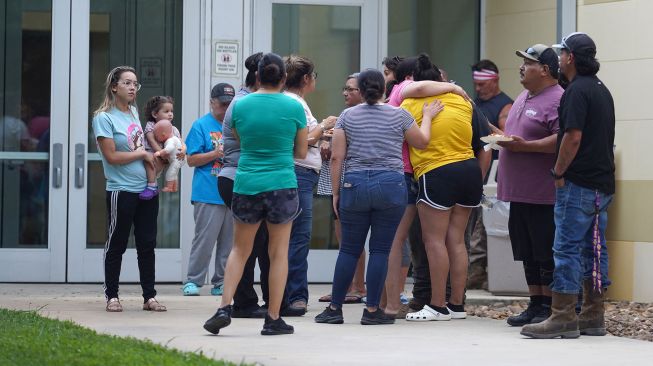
(473, 341)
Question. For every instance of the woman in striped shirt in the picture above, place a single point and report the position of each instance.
(373, 193)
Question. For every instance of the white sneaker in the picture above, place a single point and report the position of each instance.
(457, 314)
(427, 314)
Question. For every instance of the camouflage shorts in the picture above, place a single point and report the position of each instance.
(276, 207)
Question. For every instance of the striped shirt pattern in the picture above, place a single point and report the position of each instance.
(374, 136)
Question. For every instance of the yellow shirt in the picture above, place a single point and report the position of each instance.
(451, 133)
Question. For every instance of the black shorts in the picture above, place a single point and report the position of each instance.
(458, 183)
(532, 231)
(226, 190)
(276, 207)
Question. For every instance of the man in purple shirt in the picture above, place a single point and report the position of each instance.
(524, 179)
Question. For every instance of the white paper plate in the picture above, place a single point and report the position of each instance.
(495, 138)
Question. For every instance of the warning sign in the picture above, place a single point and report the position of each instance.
(150, 72)
(226, 58)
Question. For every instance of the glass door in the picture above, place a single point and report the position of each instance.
(105, 34)
(340, 37)
(34, 40)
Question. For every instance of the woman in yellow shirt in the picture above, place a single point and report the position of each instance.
(450, 184)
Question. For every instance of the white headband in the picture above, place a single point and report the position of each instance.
(485, 74)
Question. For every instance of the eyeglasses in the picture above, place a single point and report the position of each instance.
(531, 51)
(563, 44)
(314, 75)
(129, 83)
(349, 90)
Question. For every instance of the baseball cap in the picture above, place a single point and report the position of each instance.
(578, 43)
(542, 54)
(223, 92)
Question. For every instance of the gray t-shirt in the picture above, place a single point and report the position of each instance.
(231, 145)
(374, 135)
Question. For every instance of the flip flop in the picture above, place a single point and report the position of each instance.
(353, 298)
(113, 305)
(153, 305)
(325, 298)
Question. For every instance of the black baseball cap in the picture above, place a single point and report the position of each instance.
(223, 92)
(542, 54)
(578, 43)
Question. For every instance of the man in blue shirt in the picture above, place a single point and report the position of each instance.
(213, 221)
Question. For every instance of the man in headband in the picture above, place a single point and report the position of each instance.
(492, 105)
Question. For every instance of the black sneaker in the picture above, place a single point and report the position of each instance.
(260, 313)
(543, 313)
(416, 304)
(276, 327)
(221, 319)
(330, 316)
(292, 311)
(526, 317)
(377, 317)
(254, 311)
(246, 312)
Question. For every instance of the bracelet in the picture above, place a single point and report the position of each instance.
(556, 176)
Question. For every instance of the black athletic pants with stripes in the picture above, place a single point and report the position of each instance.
(124, 210)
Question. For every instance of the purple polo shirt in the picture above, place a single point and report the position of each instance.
(525, 177)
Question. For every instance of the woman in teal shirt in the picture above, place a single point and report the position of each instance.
(271, 129)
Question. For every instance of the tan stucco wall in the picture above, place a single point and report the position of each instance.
(625, 50)
(621, 31)
(512, 25)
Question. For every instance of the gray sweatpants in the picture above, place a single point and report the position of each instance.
(213, 223)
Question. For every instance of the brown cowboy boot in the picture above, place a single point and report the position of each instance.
(563, 321)
(591, 318)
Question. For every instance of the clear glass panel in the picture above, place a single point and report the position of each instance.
(447, 30)
(330, 37)
(25, 53)
(145, 34)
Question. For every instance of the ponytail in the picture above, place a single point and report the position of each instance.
(372, 85)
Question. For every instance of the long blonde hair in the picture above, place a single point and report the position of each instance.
(112, 79)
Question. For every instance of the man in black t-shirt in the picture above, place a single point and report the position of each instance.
(584, 179)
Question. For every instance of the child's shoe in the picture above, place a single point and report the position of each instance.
(148, 193)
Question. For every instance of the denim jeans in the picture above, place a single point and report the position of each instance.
(370, 199)
(572, 248)
(300, 237)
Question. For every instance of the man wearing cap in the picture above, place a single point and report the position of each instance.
(585, 184)
(213, 221)
(491, 105)
(524, 179)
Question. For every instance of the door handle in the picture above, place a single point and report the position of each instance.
(80, 152)
(57, 165)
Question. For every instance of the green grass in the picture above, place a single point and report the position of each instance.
(27, 338)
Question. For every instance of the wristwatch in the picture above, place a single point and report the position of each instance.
(554, 175)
